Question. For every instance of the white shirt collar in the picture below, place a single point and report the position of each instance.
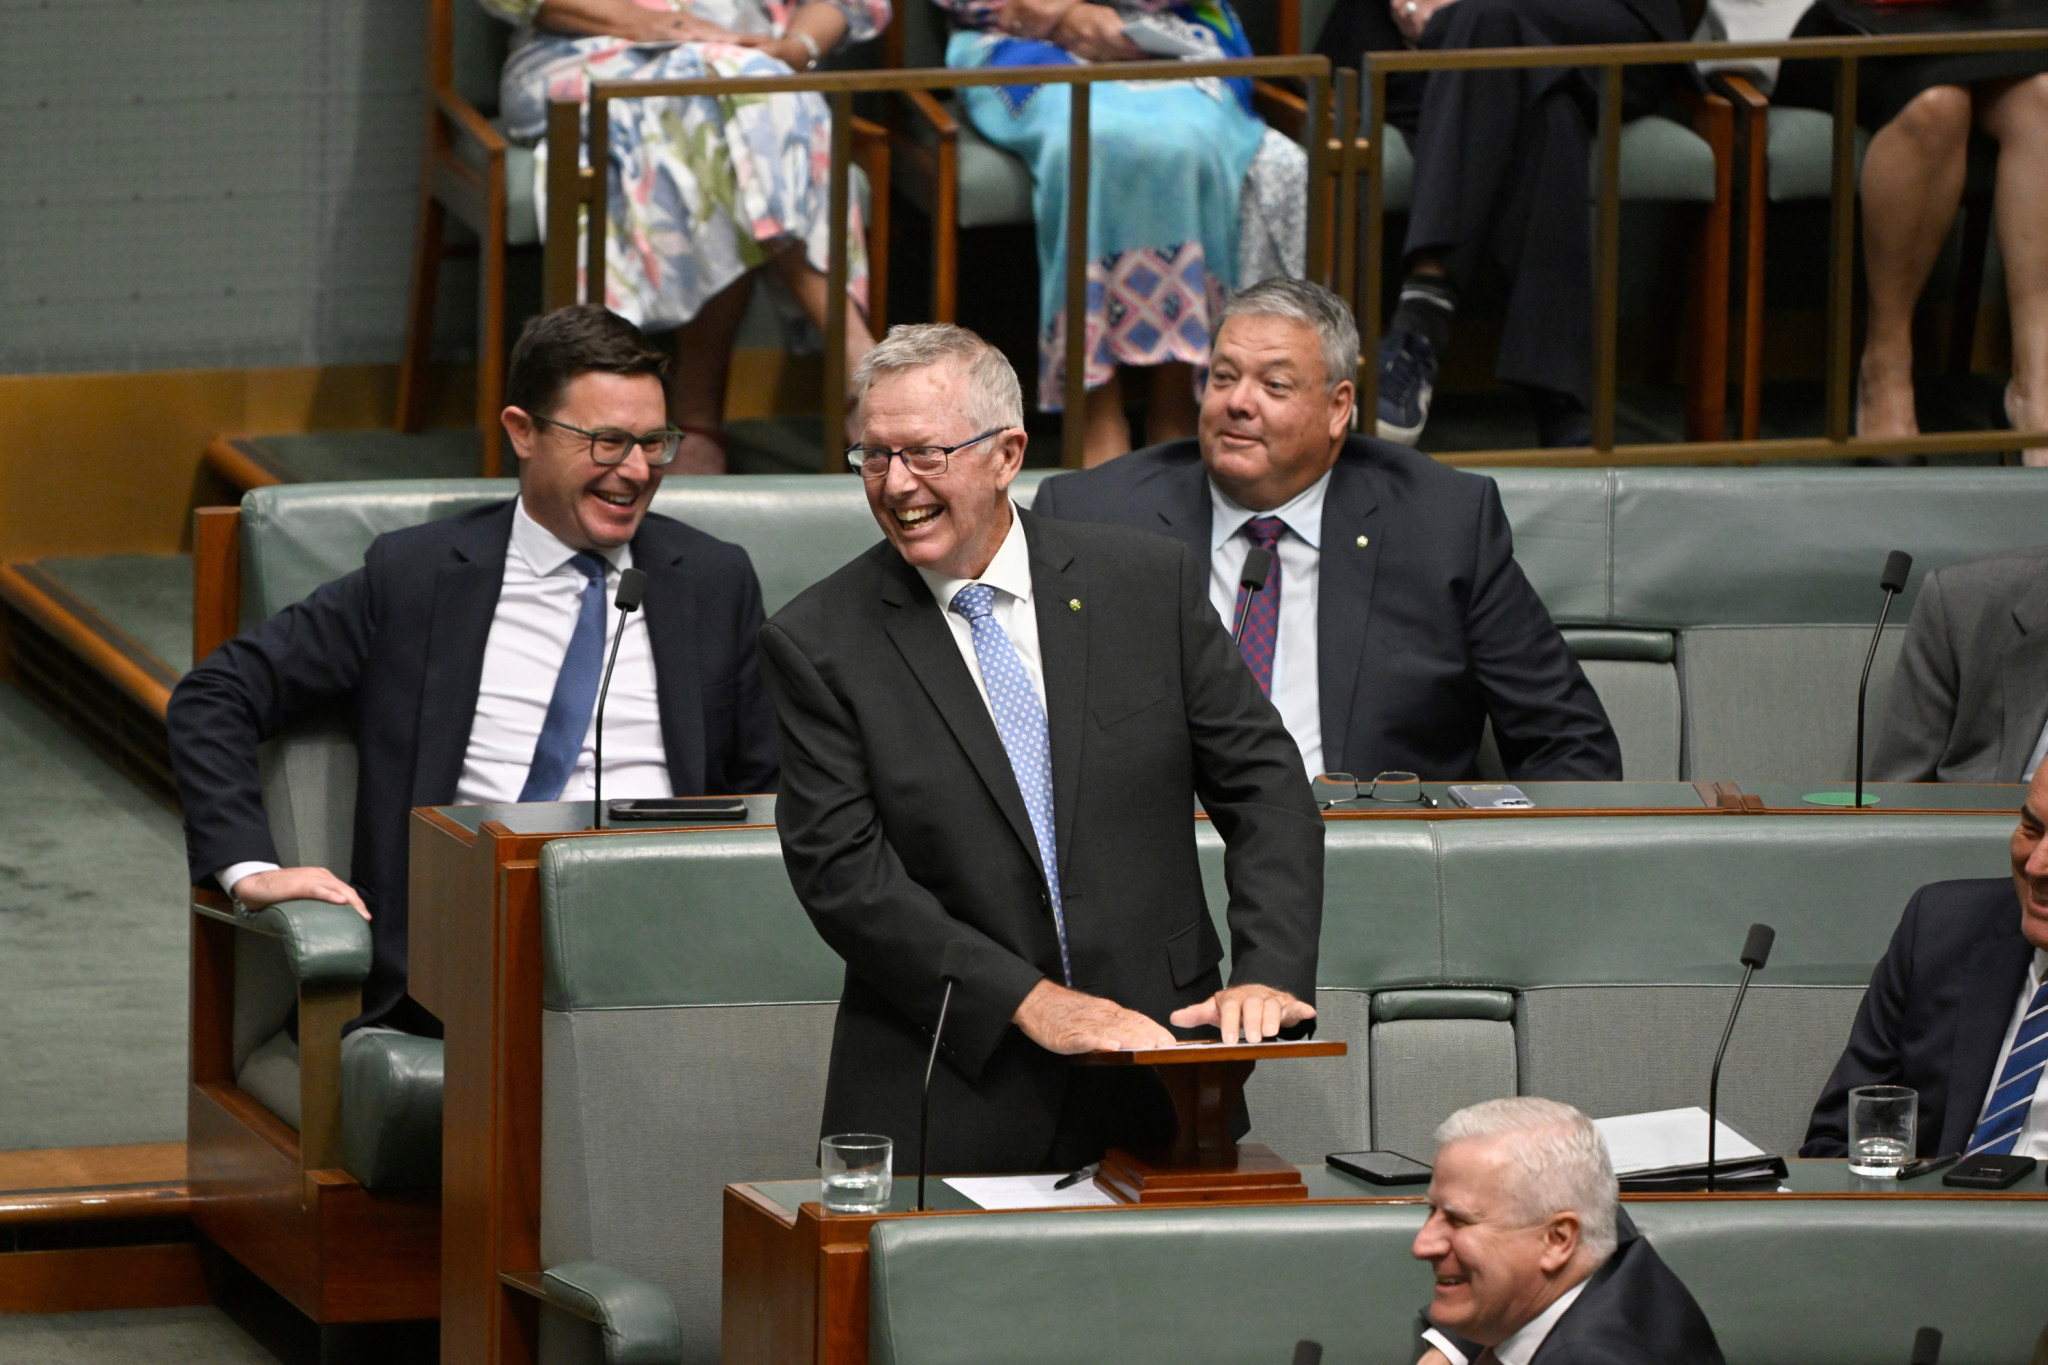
(1302, 513)
(1009, 571)
(545, 552)
(1520, 1348)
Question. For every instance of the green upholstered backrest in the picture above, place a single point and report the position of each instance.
(1793, 1282)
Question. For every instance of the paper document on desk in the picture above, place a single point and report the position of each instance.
(1673, 1142)
(1030, 1192)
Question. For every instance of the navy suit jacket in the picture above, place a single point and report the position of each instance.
(1935, 1015)
(1427, 625)
(400, 643)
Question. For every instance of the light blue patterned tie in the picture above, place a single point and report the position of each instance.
(568, 719)
(1020, 720)
(2006, 1113)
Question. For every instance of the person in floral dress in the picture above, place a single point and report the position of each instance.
(703, 192)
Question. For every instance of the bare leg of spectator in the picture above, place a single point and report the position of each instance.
(2017, 116)
(1912, 186)
(1106, 432)
(810, 289)
(1171, 412)
(696, 383)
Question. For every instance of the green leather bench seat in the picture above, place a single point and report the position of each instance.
(1660, 160)
(1790, 1282)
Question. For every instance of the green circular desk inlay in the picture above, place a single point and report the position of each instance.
(1839, 798)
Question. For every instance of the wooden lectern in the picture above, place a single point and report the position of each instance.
(1204, 1165)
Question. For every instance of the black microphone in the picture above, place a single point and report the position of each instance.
(632, 586)
(1756, 951)
(1258, 566)
(952, 966)
(1897, 565)
(1927, 1347)
(1310, 1353)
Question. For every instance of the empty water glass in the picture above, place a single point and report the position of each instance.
(1883, 1128)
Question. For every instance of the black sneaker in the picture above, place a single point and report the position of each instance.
(1407, 381)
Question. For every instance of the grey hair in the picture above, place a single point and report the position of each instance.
(1311, 305)
(994, 398)
(1558, 1153)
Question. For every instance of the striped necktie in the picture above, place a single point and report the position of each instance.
(2006, 1112)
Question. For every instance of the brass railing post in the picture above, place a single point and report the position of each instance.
(1841, 249)
(1073, 420)
(1345, 281)
(566, 197)
(1316, 261)
(1607, 260)
(601, 201)
(1366, 309)
(833, 414)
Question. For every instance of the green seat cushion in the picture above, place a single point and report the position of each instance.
(1800, 153)
(391, 1109)
(349, 456)
(1660, 160)
(995, 187)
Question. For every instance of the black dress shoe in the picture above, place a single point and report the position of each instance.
(1561, 420)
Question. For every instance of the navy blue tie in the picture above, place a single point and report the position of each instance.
(568, 720)
(2005, 1113)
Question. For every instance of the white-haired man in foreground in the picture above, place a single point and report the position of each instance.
(1535, 1264)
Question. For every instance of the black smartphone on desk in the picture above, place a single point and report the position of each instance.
(1988, 1172)
(722, 810)
(1381, 1168)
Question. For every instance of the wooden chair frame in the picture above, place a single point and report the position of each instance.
(274, 1199)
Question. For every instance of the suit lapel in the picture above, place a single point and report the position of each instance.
(1353, 534)
(1063, 649)
(1997, 968)
(921, 636)
(671, 607)
(2023, 680)
(1184, 509)
(465, 601)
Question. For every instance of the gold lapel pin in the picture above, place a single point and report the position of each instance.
(1073, 604)
(1364, 541)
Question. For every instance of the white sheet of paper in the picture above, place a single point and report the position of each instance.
(1667, 1138)
(1029, 1192)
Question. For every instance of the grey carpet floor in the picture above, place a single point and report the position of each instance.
(93, 945)
(156, 1336)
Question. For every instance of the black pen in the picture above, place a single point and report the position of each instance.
(1926, 1164)
(1067, 1181)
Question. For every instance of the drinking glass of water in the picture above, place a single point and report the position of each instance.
(1883, 1126)
(856, 1171)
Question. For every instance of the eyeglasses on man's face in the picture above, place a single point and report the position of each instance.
(608, 445)
(927, 462)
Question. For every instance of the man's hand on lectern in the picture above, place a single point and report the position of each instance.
(1067, 1022)
(1259, 1012)
(261, 889)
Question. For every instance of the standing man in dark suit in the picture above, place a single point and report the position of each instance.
(1395, 621)
(1534, 1264)
(994, 731)
(1970, 697)
(467, 652)
(1501, 179)
(1958, 1010)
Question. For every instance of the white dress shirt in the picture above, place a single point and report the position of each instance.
(1009, 573)
(2040, 752)
(2033, 1135)
(538, 604)
(1296, 693)
(1521, 1347)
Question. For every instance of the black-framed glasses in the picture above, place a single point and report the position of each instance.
(608, 445)
(927, 462)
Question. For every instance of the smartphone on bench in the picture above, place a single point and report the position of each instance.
(677, 809)
(1381, 1168)
(1986, 1171)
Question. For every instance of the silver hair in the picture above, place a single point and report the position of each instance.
(994, 398)
(1311, 305)
(1558, 1153)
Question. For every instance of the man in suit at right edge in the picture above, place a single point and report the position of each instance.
(1395, 622)
(1970, 697)
(1958, 1010)
(1535, 1262)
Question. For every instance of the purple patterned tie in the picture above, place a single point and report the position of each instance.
(1262, 622)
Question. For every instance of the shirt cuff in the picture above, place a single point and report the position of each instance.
(1443, 1343)
(234, 872)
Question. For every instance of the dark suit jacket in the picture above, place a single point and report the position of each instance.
(1427, 625)
(401, 642)
(1633, 1311)
(1971, 692)
(1935, 1015)
(904, 831)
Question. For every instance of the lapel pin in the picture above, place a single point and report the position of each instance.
(1364, 541)
(1073, 604)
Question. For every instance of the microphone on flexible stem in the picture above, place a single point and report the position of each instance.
(632, 586)
(1258, 567)
(952, 966)
(1756, 951)
(1897, 565)
(1927, 1347)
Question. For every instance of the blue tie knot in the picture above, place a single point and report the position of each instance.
(590, 566)
(1265, 532)
(975, 601)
